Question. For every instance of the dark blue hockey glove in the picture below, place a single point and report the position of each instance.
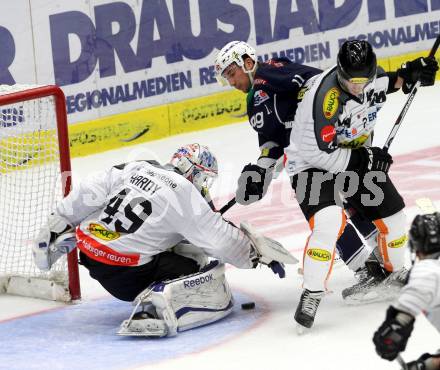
(252, 184)
(278, 269)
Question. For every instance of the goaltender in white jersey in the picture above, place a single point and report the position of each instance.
(141, 209)
(145, 231)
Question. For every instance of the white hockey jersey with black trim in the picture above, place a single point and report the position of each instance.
(329, 122)
(129, 213)
(422, 293)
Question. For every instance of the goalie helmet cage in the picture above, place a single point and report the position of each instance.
(35, 173)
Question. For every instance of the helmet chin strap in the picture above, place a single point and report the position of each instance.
(250, 74)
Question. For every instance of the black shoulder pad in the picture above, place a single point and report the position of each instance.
(392, 79)
(152, 161)
(282, 75)
(120, 166)
(380, 71)
(326, 108)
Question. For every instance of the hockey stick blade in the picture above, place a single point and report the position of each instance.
(425, 205)
(408, 103)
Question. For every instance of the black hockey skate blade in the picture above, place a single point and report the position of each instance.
(248, 306)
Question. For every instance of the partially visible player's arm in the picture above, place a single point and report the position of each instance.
(255, 178)
(420, 293)
(270, 152)
(423, 69)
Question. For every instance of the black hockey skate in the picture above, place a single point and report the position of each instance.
(369, 276)
(375, 284)
(307, 307)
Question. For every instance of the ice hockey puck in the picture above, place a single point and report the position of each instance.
(248, 306)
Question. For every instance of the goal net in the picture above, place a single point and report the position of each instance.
(34, 175)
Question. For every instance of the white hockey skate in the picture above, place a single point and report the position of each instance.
(143, 325)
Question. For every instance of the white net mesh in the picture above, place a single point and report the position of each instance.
(30, 181)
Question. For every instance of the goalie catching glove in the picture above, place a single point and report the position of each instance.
(54, 240)
(267, 251)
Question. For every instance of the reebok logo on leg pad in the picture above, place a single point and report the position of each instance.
(188, 284)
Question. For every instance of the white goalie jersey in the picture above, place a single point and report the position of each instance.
(129, 213)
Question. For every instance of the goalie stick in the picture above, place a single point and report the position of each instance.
(227, 206)
(410, 99)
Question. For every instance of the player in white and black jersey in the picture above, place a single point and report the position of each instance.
(273, 89)
(330, 154)
(145, 232)
(420, 295)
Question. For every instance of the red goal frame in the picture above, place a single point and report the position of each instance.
(64, 150)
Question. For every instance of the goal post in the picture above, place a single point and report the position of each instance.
(35, 173)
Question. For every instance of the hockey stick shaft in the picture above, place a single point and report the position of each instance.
(227, 206)
(410, 99)
(402, 362)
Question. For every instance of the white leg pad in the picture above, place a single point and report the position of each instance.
(185, 303)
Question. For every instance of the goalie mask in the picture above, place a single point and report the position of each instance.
(232, 55)
(424, 235)
(197, 164)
